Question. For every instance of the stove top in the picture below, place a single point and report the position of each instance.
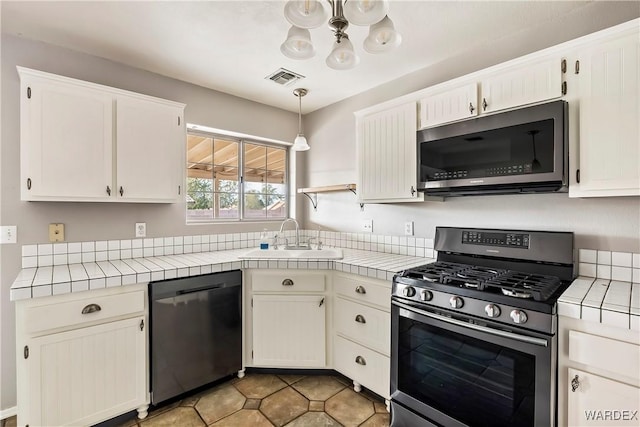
(518, 284)
(503, 276)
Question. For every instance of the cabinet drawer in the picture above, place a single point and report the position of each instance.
(605, 353)
(65, 314)
(362, 365)
(288, 282)
(363, 290)
(363, 324)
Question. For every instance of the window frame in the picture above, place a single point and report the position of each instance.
(241, 174)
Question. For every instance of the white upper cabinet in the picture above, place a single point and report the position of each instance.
(449, 106)
(605, 143)
(81, 141)
(66, 140)
(520, 84)
(386, 145)
(149, 152)
(525, 84)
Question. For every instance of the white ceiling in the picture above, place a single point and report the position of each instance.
(231, 46)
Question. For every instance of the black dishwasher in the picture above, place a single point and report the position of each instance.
(196, 332)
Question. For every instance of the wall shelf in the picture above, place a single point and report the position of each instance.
(312, 192)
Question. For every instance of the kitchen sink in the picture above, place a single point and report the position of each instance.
(324, 253)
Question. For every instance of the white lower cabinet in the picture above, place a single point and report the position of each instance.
(289, 330)
(362, 331)
(598, 375)
(286, 320)
(82, 372)
(597, 401)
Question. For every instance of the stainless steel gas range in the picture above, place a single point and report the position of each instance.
(474, 334)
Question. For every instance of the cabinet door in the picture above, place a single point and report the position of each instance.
(387, 156)
(289, 330)
(456, 104)
(609, 113)
(87, 375)
(525, 85)
(598, 401)
(66, 141)
(150, 143)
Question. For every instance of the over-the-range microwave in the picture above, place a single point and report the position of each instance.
(518, 151)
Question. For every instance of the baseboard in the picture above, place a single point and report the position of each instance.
(9, 412)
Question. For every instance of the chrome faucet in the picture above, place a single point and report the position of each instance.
(297, 245)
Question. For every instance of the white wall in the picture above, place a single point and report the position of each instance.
(102, 221)
(607, 223)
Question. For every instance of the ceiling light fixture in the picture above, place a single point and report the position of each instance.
(306, 14)
(300, 143)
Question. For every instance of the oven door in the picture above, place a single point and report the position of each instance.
(455, 373)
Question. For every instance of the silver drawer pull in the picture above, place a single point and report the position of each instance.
(91, 308)
(575, 383)
(360, 290)
(360, 319)
(360, 361)
(287, 282)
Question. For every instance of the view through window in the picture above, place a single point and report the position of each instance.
(234, 179)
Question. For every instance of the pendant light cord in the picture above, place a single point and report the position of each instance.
(299, 114)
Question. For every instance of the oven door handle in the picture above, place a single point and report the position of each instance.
(510, 335)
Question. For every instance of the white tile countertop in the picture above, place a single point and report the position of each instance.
(45, 281)
(609, 302)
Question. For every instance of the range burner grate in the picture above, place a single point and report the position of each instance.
(524, 285)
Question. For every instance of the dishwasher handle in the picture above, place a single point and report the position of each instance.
(200, 289)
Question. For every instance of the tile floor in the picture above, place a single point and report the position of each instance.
(268, 400)
(273, 400)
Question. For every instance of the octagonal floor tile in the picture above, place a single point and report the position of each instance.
(219, 403)
(283, 406)
(259, 386)
(315, 419)
(349, 407)
(318, 387)
(378, 420)
(244, 418)
(182, 416)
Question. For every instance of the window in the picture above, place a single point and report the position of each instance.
(234, 179)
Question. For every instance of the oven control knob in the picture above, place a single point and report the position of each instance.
(456, 302)
(518, 316)
(409, 291)
(492, 310)
(426, 295)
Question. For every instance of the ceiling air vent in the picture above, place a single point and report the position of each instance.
(284, 77)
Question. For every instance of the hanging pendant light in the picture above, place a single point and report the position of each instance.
(300, 143)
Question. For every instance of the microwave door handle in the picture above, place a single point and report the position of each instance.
(497, 332)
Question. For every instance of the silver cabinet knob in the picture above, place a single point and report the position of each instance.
(360, 361)
(426, 295)
(360, 290)
(518, 316)
(409, 291)
(456, 302)
(287, 282)
(492, 310)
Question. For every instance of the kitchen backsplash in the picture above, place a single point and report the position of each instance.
(622, 266)
(47, 254)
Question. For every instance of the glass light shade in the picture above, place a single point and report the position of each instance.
(300, 143)
(382, 37)
(306, 13)
(298, 44)
(365, 12)
(342, 56)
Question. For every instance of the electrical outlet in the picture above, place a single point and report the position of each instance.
(56, 233)
(8, 234)
(408, 228)
(367, 225)
(141, 229)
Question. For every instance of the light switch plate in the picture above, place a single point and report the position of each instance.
(56, 233)
(141, 229)
(8, 234)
